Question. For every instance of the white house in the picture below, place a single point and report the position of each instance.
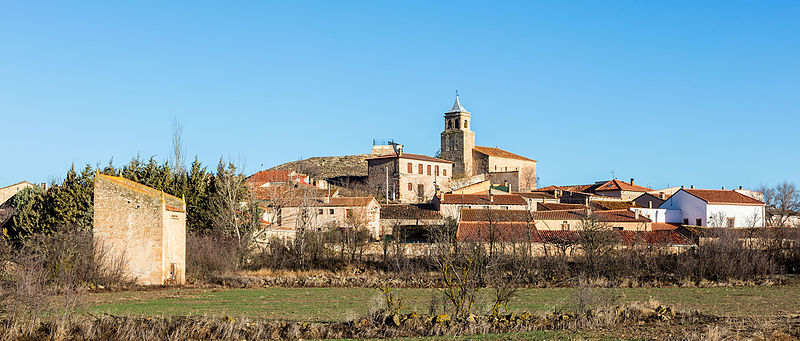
(714, 208)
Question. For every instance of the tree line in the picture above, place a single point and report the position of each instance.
(69, 203)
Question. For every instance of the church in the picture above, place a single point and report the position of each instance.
(473, 164)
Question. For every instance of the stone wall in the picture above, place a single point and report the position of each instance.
(134, 225)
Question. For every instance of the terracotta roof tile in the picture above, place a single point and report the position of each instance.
(500, 231)
(612, 216)
(497, 152)
(715, 196)
(468, 214)
(483, 199)
(409, 212)
(551, 206)
(618, 185)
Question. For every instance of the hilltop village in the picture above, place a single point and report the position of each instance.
(489, 191)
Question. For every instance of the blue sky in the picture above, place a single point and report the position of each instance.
(671, 93)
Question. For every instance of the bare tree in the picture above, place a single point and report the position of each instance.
(234, 210)
(177, 147)
(782, 202)
(717, 219)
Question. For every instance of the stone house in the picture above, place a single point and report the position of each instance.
(412, 178)
(411, 219)
(458, 146)
(144, 227)
(319, 214)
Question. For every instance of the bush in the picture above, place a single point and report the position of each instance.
(210, 255)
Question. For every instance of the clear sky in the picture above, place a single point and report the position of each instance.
(668, 92)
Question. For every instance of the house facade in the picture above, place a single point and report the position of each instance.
(319, 214)
(408, 178)
(714, 208)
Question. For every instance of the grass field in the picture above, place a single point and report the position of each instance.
(337, 304)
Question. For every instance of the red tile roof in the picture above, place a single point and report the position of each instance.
(507, 232)
(612, 205)
(536, 195)
(497, 152)
(468, 214)
(611, 216)
(617, 185)
(483, 199)
(716, 196)
(551, 206)
(274, 176)
(349, 201)
(409, 212)
(410, 156)
(664, 226)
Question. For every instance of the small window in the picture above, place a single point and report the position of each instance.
(321, 211)
(699, 222)
(436, 170)
(457, 125)
(410, 187)
(420, 168)
(731, 222)
(466, 124)
(565, 226)
(685, 221)
(349, 213)
(410, 168)
(330, 211)
(617, 228)
(429, 169)
(444, 172)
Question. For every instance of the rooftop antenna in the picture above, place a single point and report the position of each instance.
(456, 93)
(612, 175)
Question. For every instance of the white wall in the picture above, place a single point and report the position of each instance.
(657, 215)
(744, 216)
(690, 206)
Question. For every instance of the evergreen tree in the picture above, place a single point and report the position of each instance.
(28, 205)
(196, 196)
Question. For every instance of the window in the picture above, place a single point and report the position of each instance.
(429, 169)
(617, 228)
(348, 213)
(685, 221)
(420, 190)
(321, 211)
(330, 211)
(731, 222)
(410, 187)
(419, 168)
(565, 226)
(699, 222)
(410, 168)
(466, 124)
(444, 172)
(457, 125)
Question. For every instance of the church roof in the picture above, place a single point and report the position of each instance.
(457, 107)
(497, 152)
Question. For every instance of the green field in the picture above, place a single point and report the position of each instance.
(337, 304)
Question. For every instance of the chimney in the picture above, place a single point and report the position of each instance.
(631, 181)
(326, 199)
(650, 204)
(691, 187)
(505, 184)
(491, 196)
(681, 186)
(723, 188)
(740, 188)
(557, 193)
(637, 214)
(662, 196)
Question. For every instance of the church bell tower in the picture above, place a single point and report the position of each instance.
(458, 140)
